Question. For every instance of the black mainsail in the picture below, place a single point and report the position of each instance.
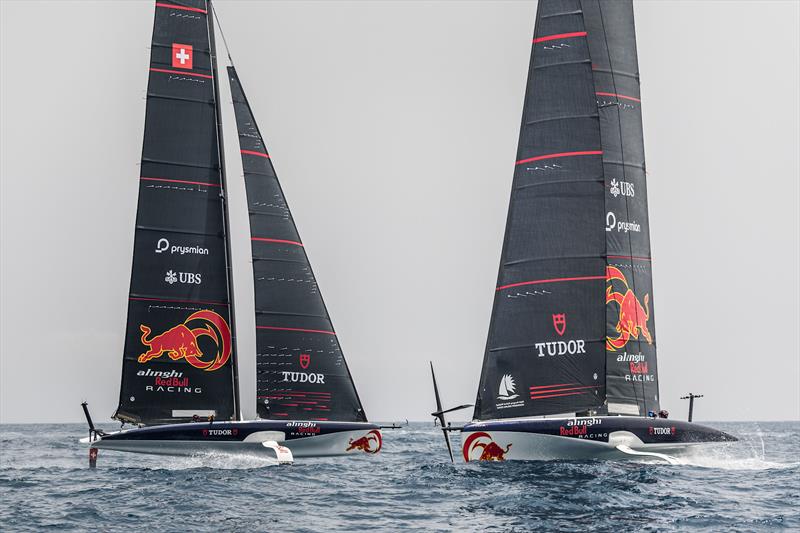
(572, 322)
(179, 355)
(301, 372)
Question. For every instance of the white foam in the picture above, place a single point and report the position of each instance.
(221, 461)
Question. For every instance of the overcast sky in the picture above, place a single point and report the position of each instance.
(393, 127)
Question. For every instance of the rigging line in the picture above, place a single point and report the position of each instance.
(622, 156)
(225, 212)
(222, 33)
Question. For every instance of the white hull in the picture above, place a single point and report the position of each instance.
(584, 439)
(316, 446)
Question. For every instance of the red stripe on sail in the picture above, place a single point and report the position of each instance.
(181, 181)
(177, 301)
(560, 154)
(301, 330)
(167, 71)
(554, 395)
(551, 386)
(293, 392)
(182, 8)
(282, 241)
(615, 95)
(259, 154)
(560, 389)
(554, 280)
(559, 36)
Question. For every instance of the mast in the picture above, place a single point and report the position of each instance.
(224, 206)
(631, 365)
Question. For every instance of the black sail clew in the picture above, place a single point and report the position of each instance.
(631, 371)
(178, 354)
(572, 323)
(301, 373)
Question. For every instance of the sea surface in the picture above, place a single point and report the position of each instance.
(45, 483)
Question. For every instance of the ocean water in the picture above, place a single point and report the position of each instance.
(45, 483)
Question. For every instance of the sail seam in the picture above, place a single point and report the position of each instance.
(562, 117)
(562, 63)
(552, 182)
(170, 71)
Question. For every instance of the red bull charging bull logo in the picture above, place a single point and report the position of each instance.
(181, 341)
(489, 449)
(372, 442)
(633, 316)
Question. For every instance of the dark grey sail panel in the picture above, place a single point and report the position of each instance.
(301, 371)
(545, 351)
(632, 377)
(178, 354)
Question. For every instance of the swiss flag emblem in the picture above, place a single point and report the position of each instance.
(182, 55)
(305, 360)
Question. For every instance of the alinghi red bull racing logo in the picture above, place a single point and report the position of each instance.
(181, 341)
(633, 316)
(372, 442)
(489, 449)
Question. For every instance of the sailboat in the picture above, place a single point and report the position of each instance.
(186, 388)
(573, 321)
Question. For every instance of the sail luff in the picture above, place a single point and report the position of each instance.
(224, 206)
(632, 377)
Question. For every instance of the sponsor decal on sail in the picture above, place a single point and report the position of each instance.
(481, 444)
(181, 341)
(507, 388)
(560, 323)
(372, 442)
(182, 56)
(621, 226)
(168, 381)
(186, 278)
(552, 348)
(303, 377)
(624, 188)
(507, 392)
(633, 316)
(163, 245)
